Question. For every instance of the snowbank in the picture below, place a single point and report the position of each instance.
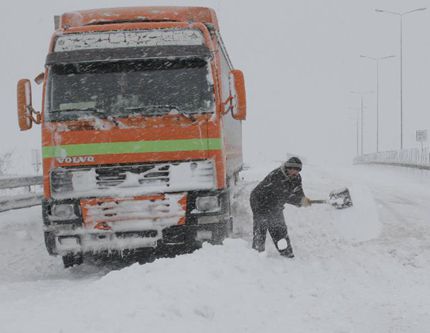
(363, 269)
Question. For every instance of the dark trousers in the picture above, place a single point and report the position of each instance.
(272, 220)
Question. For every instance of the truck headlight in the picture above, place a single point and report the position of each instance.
(208, 204)
(63, 212)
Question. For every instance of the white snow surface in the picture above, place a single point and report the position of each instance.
(361, 269)
(120, 39)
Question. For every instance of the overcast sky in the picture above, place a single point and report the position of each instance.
(301, 59)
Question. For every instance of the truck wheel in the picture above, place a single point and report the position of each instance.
(72, 259)
(50, 242)
(229, 231)
(219, 234)
(236, 178)
(229, 226)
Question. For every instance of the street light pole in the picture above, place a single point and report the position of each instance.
(377, 59)
(361, 111)
(400, 15)
(401, 82)
(361, 93)
(357, 129)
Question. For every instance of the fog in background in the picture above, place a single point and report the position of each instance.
(301, 59)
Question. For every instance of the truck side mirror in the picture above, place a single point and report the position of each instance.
(39, 78)
(26, 111)
(238, 95)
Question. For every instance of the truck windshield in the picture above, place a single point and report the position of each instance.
(123, 89)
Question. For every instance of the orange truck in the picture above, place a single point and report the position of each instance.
(141, 122)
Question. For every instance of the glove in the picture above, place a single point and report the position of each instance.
(306, 202)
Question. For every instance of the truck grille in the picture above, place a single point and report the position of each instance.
(124, 180)
(113, 176)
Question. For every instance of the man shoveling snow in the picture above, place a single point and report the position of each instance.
(283, 185)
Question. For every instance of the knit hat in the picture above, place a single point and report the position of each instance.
(294, 163)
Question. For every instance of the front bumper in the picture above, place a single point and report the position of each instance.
(73, 236)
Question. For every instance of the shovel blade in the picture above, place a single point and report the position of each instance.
(340, 198)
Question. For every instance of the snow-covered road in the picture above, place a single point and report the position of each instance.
(362, 269)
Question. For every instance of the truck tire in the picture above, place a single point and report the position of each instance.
(229, 226)
(229, 231)
(219, 234)
(50, 242)
(72, 259)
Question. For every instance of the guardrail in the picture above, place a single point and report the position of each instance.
(30, 198)
(412, 158)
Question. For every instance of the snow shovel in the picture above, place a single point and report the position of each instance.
(338, 199)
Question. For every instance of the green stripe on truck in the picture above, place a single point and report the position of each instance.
(133, 147)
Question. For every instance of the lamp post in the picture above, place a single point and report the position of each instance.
(357, 128)
(377, 59)
(361, 94)
(400, 15)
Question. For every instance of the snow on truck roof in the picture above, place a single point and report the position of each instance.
(138, 14)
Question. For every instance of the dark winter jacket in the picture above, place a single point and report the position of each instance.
(276, 190)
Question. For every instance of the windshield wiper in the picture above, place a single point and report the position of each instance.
(94, 110)
(171, 108)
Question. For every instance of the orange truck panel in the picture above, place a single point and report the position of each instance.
(136, 14)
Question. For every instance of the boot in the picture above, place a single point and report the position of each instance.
(258, 247)
(288, 252)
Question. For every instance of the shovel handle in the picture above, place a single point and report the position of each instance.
(318, 201)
